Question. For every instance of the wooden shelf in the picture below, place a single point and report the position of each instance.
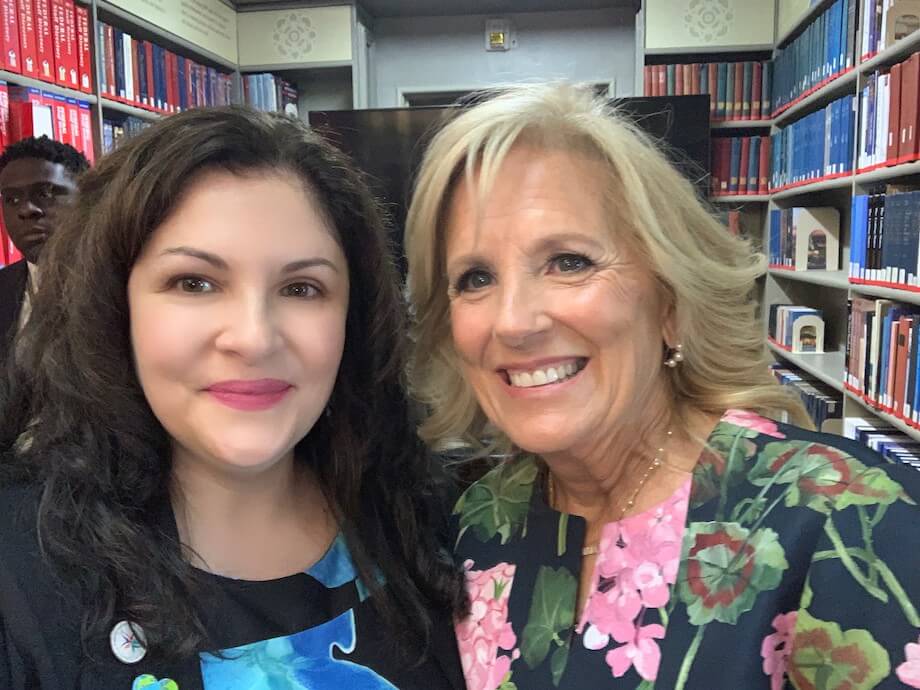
(740, 124)
(888, 173)
(740, 199)
(827, 93)
(807, 17)
(20, 80)
(826, 366)
(835, 279)
(817, 186)
(130, 110)
(890, 419)
(893, 53)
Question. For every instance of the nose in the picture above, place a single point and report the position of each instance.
(249, 328)
(522, 317)
(28, 209)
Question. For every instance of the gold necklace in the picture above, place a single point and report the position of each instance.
(592, 549)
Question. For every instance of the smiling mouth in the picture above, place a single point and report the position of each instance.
(546, 376)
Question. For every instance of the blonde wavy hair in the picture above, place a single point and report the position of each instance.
(708, 275)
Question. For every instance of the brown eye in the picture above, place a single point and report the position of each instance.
(195, 285)
(301, 290)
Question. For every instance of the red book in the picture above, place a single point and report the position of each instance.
(71, 47)
(4, 115)
(738, 107)
(688, 80)
(905, 324)
(61, 120)
(173, 76)
(713, 88)
(44, 42)
(695, 78)
(745, 164)
(135, 47)
(28, 114)
(678, 80)
(73, 124)
(910, 75)
(151, 87)
(763, 187)
(84, 60)
(716, 182)
(9, 37)
(725, 163)
(894, 113)
(647, 81)
(86, 132)
(110, 60)
(756, 88)
(27, 37)
(662, 79)
(59, 41)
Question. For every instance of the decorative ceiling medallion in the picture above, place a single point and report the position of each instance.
(293, 36)
(708, 20)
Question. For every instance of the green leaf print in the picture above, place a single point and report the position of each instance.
(826, 657)
(558, 662)
(552, 611)
(723, 464)
(498, 503)
(725, 566)
(822, 478)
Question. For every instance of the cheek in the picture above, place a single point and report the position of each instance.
(471, 328)
(162, 351)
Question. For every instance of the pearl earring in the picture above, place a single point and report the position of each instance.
(675, 356)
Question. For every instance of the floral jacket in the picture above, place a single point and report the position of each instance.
(790, 560)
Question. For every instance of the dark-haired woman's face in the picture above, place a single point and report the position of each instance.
(238, 306)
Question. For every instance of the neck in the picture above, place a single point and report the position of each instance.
(223, 517)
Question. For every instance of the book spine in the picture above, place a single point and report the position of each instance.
(70, 45)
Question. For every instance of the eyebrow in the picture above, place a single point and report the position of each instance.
(220, 264)
(554, 242)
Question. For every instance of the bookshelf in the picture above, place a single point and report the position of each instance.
(833, 279)
(825, 366)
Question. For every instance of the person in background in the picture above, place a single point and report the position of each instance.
(222, 488)
(580, 312)
(38, 180)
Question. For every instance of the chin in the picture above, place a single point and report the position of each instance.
(248, 455)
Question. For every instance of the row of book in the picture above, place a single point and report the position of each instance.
(804, 239)
(817, 146)
(736, 90)
(145, 75)
(47, 40)
(884, 439)
(824, 50)
(27, 112)
(114, 132)
(823, 403)
(882, 356)
(270, 93)
(740, 165)
(795, 328)
(890, 115)
(885, 22)
(885, 238)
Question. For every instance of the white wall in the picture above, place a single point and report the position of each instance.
(448, 53)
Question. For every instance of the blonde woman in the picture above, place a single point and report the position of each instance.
(579, 310)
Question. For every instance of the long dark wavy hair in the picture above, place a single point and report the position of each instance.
(76, 413)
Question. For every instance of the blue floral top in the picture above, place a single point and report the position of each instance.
(791, 559)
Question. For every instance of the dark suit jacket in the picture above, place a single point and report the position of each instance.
(13, 281)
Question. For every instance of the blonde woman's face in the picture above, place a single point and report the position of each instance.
(558, 328)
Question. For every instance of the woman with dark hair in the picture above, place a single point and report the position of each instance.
(220, 487)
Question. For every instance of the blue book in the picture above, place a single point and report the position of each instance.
(735, 165)
(100, 59)
(183, 84)
(142, 72)
(119, 63)
(721, 84)
(753, 171)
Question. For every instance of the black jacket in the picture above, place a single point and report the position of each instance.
(13, 280)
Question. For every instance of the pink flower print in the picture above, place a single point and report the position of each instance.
(753, 421)
(642, 652)
(777, 647)
(487, 630)
(649, 579)
(909, 671)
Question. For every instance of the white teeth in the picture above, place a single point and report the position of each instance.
(541, 377)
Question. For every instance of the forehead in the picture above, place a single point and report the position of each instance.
(533, 192)
(29, 171)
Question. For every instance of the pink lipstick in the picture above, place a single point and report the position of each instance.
(254, 395)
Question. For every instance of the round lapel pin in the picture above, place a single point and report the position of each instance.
(128, 643)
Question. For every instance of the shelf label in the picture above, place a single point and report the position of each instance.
(207, 24)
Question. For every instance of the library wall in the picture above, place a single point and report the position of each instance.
(707, 24)
(448, 53)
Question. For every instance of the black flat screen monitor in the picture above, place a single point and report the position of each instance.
(388, 143)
